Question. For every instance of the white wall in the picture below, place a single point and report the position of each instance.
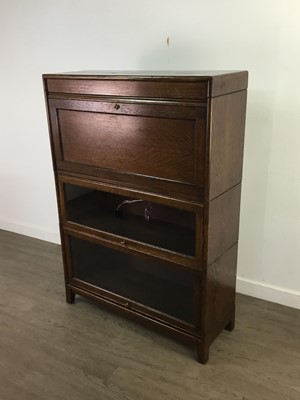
(261, 36)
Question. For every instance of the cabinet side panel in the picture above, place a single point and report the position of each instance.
(60, 207)
(226, 142)
(223, 223)
(220, 294)
(229, 83)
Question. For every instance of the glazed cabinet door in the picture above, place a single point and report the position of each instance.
(138, 283)
(134, 221)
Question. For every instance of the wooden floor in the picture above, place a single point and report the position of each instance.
(52, 350)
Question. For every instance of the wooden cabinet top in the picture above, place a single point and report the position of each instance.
(210, 83)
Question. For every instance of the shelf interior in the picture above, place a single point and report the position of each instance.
(151, 223)
(152, 283)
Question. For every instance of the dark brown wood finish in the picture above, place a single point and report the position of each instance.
(220, 294)
(226, 142)
(124, 88)
(99, 139)
(223, 223)
(131, 143)
(224, 83)
(175, 142)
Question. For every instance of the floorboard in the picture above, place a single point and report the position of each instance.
(52, 350)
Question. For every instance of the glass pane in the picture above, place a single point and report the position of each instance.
(153, 283)
(152, 223)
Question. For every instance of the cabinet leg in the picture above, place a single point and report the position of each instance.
(70, 296)
(231, 324)
(202, 353)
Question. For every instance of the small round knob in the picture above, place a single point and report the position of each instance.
(126, 304)
(117, 106)
(123, 243)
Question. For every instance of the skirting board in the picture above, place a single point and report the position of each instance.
(249, 287)
(275, 294)
(31, 231)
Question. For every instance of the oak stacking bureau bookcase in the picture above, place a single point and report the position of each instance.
(148, 168)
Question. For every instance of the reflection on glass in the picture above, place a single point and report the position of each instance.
(152, 283)
(148, 222)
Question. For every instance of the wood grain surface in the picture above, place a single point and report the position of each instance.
(223, 223)
(160, 147)
(182, 90)
(159, 135)
(228, 115)
(53, 350)
(149, 146)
